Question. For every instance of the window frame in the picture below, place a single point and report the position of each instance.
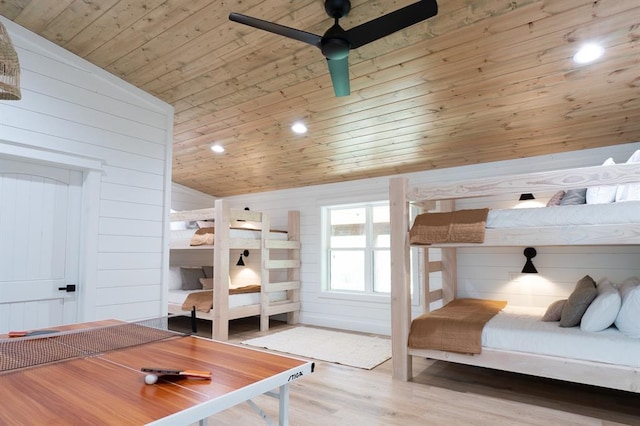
(369, 251)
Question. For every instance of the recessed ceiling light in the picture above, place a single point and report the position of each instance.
(299, 128)
(588, 53)
(217, 148)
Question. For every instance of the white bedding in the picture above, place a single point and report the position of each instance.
(177, 297)
(581, 214)
(520, 329)
(181, 238)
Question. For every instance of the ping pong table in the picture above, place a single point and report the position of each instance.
(95, 376)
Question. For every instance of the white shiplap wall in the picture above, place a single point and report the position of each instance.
(562, 266)
(71, 108)
(185, 198)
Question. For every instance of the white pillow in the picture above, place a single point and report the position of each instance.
(175, 279)
(602, 194)
(602, 312)
(628, 319)
(630, 191)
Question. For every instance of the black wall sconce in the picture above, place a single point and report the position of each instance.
(241, 261)
(529, 253)
(527, 196)
(242, 220)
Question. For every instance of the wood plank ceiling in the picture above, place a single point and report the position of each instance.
(484, 80)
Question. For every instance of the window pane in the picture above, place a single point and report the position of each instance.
(348, 228)
(347, 270)
(355, 241)
(381, 227)
(382, 274)
(381, 214)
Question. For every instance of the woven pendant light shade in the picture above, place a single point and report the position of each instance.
(9, 68)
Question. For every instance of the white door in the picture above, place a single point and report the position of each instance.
(40, 212)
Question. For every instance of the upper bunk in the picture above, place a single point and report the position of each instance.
(615, 223)
(241, 229)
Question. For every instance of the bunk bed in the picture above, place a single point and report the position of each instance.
(223, 230)
(572, 366)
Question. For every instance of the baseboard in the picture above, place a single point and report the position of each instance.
(351, 325)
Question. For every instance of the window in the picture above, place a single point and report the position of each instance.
(358, 243)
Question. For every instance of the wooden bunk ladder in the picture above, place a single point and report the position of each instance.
(287, 258)
(447, 265)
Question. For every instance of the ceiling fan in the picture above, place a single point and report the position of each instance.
(336, 43)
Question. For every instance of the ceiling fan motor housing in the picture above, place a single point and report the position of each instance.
(337, 8)
(334, 44)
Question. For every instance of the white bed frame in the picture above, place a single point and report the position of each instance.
(221, 313)
(593, 373)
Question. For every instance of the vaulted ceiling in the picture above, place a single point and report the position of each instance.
(483, 80)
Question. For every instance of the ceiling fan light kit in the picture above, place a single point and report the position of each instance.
(336, 42)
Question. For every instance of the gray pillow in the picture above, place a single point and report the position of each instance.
(191, 278)
(554, 311)
(578, 302)
(574, 196)
(208, 271)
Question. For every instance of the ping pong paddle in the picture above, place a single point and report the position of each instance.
(184, 373)
(30, 333)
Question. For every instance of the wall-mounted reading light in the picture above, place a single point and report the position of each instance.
(241, 261)
(529, 253)
(245, 209)
(527, 196)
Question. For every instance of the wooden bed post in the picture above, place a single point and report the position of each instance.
(220, 323)
(265, 256)
(400, 279)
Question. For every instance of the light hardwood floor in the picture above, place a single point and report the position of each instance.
(441, 394)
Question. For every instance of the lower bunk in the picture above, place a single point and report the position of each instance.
(243, 302)
(517, 340)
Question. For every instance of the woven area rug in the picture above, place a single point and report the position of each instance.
(351, 349)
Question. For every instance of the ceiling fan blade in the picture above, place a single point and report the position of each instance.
(339, 70)
(299, 35)
(391, 22)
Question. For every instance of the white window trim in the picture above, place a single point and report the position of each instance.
(327, 292)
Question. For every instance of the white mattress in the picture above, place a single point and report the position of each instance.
(520, 329)
(181, 238)
(177, 297)
(582, 214)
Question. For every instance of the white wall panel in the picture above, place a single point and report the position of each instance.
(131, 194)
(133, 277)
(184, 198)
(131, 210)
(126, 295)
(123, 260)
(137, 310)
(133, 178)
(134, 228)
(120, 243)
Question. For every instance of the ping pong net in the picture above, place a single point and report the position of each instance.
(16, 354)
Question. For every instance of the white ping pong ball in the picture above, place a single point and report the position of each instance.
(150, 379)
